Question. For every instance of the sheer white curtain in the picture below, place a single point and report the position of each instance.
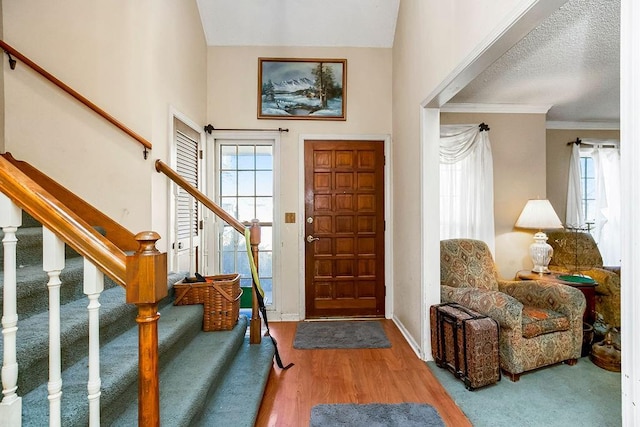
(608, 200)
(575, 215)
(606, 230)
(466, 184)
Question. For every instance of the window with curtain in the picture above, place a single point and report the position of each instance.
(466, 184)
(593, 194)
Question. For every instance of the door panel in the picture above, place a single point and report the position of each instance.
(344, 228)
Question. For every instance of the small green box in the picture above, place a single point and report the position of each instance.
(247, 297)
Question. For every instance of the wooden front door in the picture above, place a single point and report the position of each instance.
(344, 228)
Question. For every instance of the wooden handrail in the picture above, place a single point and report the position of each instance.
(52, 214)
(254, 238)
(184, 184)
(9, 49)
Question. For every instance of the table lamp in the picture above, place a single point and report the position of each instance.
(538, 215)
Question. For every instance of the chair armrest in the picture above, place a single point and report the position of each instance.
(608, 281)
(552, 296)
(502, 308)
(612, 269)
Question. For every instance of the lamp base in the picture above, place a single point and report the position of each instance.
(543, 270)
(541, 253)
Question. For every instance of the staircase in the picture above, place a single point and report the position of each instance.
(206, 378)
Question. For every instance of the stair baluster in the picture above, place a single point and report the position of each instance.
(53, 263)
(11, 405)
(93, 287)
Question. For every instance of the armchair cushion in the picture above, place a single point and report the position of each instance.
(538, 321)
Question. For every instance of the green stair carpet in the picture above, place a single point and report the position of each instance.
(206, 378)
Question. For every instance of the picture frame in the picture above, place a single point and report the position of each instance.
(302, 89)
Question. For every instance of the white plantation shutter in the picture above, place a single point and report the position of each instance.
(187, 168)
(186, 215)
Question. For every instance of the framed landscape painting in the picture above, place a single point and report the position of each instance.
(308, 89)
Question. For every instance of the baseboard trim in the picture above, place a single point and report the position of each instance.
(407, 336)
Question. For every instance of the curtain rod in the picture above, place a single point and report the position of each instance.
(209, 128)
(608, 143)
(484, 126)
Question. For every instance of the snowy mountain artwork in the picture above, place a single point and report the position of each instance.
(302, 89)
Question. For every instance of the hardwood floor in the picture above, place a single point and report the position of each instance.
(391, 375)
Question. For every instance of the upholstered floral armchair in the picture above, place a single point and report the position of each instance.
(577, 252)
(540, 322)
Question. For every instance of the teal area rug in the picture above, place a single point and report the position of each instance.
(375, 415)
(559, 395)
(340, 334)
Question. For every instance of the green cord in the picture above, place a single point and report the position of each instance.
(252, 264)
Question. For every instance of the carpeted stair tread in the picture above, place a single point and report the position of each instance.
(236, 401)
(186, 380)
(32, 291)
(29, 247)
(118, 370)
(33, 334)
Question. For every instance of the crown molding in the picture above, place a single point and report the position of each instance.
(495, 108)
(583, 125)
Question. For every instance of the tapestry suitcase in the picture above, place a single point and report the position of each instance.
(466, 343)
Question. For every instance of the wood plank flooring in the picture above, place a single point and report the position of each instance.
(392, 375)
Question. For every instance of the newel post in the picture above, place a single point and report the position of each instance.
(146, 286)
(255, 325)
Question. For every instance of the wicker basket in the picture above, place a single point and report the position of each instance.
(220, 296)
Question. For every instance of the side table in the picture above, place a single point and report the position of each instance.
(588, 289)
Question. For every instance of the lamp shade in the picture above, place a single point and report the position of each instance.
(538, 214)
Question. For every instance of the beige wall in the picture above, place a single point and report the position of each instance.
(232, 103)
(518, 149)
(558, 156)
(432, 38)
(134, 60)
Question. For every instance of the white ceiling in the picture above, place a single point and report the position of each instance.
(569, 64)
(324, 23)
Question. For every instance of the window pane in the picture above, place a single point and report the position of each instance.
(266, 237)
(229, 239)
(228, 158)
(264, 157)
(265, 264)
(590, 188)
(228, 262)
(246, 157)
(264, 183)
(230, 204)
(246, 210)
(264, 209)
(228, 183)
(243, 264)
(246, 183)
(590, 171)
(267, 287)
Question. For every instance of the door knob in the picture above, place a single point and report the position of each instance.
(310, 238)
